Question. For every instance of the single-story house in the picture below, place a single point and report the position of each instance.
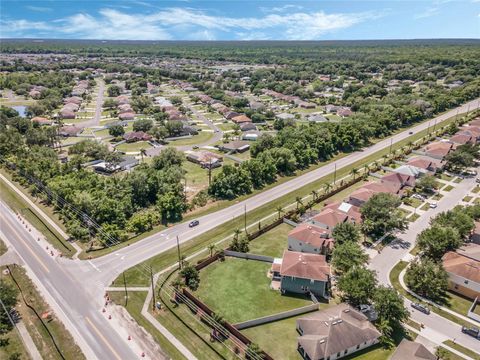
(470, 130)
(399, 178)
(360, 196)
(122, 99)
(248, 126)
(352, 211)
(124, 108)
(73, 99)
(426, 163)
(463, 138)
(127, 116)
(335, 332)
(316, 118)
(310, 239)
(137, 136)
(206, 159)
(69, 131)
(127, 163)
(230, 115)
(251, 135)
(332, 109)
(34, 94)
(438, 149)
(285, 116)
(302, 273)
(235, 146)
(42, 121)
(393, 188)
(257, 105)
(123, 123)
(463, 269)
(410, 171)
(66, 114)
(344, 112)
(239, 119)
(304, 104)
(412, 351)
(205, 98)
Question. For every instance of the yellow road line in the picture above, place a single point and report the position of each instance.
(103, 338)
(28, 247)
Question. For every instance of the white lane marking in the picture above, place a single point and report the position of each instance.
(94, 266)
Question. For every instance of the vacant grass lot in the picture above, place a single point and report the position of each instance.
(133, 147)
(202, 137)
(240, 290)
(272, 243)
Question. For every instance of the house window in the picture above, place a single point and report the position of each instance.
(345, 352)
(358, 347)
(338, 355)
(465, 282)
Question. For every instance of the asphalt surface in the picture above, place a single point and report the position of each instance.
(436, 327)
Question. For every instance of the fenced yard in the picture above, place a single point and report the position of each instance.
(239, 290)
(272, 243)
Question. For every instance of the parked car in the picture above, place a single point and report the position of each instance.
(421, 308)
(432, 205)
(418, 196)
(194, 223)
(472, 331)
(477, 180)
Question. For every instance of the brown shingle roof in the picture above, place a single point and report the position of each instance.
(412, 351)
(313, 235)
(464, 263)
(334, 330)
(330, 217)
(305, 266)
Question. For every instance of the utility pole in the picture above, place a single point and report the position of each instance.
(210, 172)
(178, 252)
(335, 174)
(153, 289)
(126, 292)
(245, 217)
(434, 124)
(391, 144)
(428, 128)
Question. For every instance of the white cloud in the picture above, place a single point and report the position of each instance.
(39, 8)
(432, 11)
(187, 23)
(280, 8)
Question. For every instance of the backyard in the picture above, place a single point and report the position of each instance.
(272, 243)
(239, 290)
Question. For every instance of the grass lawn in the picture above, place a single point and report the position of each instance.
(272, 243)
(35, 328)
(462, 349)
(457, 180)
(437, 196)
(240, 290)
(458, 303)
(413, 218)
(414, 202)
(3, 247)
(476, 189)
(225, 126)
(425, 207)
(14, 348)
(446, 177)
(467, 198)
(133, 147)
(203, 136)
(135, 302)
(448, 188)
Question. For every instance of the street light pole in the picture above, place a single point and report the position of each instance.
(178, 252)
(335, 174)
(153, 288)
(245, 217)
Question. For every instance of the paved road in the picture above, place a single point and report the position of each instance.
(436, 327)
(95, 120)
(113, 264)
(70, 298)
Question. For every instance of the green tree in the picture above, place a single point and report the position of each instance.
(435, 241)
(191, 276)
(426, 184)
(347, 256)
(459, 160)
(168, 158)
(114, 91)
(116, 130)
(427, 278)
(358, 286)
(171, 206)
(142, 125)
(390, 308)
(8, 296)
(456, 218)
(382, 214)
(230, 183)
(346, 232)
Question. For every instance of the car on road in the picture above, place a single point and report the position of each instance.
(421, 308)
(195, 147)
(432, 205)
(410, 133)
(472, 331)
(193, 223)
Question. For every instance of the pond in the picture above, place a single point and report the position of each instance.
(21, 109)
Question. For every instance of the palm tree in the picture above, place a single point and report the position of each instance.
(143, 153)
(327, 187)
(314, 194)
(211, 248)
(236, 234)
(366, 169)
(298, 199)
(354, 172)
(279, 210)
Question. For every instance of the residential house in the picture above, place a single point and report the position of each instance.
(463, 138)
(239, 119)
(329, 218)
(235, 146)
(67, 131)
(389, 187)
(127, 163)
(438, 149)
(410, 170)
(127, 116)
(344, 112)
(401, 179)
(205, 159)
(122, 99)
(137, 136)
(352, 211)
(360, 196)
(463, 268)
(310, 239)
(285, 116)
(248, 126)
(425, 163)
(476, 233)
(230, 115)
(42, 121)
(302, 273)
(73, 99)
(316, 118)
(335, 332)
(257, 106)
(304, 104)
(412, 351)
(66, 114)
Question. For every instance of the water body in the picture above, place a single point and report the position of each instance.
(20, 109)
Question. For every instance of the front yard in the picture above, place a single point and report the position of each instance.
(133, 147)
(239, 290)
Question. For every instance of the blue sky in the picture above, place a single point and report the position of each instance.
(240, 20)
